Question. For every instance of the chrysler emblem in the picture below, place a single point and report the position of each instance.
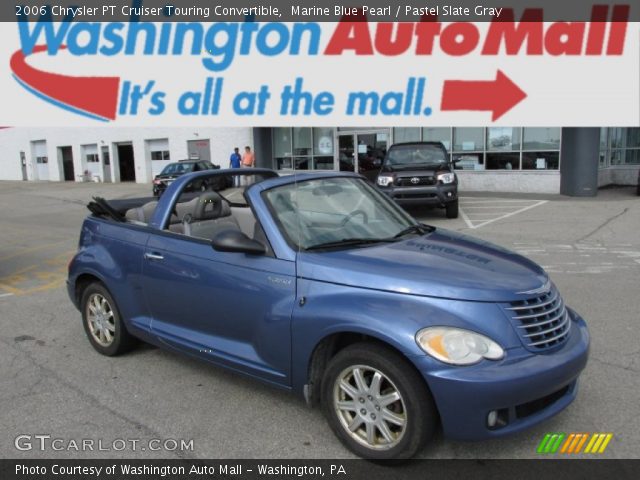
(415, 180)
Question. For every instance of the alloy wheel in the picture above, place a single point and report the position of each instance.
(369, 407)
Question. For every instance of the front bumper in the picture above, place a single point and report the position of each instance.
(436, 195)
(525, 388)
(159, 189)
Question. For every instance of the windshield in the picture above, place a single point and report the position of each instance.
(415, 155)
(178, 168)
(336, 212)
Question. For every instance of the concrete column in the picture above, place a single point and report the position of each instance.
(579, 161)
(262, 147)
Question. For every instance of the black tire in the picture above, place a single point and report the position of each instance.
(452, 209)
(415, 405)
(121, 341)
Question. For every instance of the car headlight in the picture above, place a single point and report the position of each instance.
(457, 346)
(385, 180)
(447, 177)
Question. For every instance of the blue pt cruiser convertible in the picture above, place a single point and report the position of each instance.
(320, 284)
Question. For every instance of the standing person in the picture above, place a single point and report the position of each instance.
(234, 162)
(248, 161)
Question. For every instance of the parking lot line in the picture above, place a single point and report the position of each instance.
(45, 275)
(492, 210)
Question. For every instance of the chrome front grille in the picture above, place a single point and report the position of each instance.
(542, 321)
(417, 181)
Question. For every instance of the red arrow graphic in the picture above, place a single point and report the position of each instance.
(94, 95)
(498, 96)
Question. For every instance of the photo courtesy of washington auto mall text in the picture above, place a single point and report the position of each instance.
(355, 239)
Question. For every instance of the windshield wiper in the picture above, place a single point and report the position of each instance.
(348, 242)
(418, 228)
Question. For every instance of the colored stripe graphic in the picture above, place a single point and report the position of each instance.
(598, 443)
(550, 443)
(553, 443)
(95, 97)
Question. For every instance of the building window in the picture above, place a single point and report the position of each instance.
(303, 148)
(625, 146)
(540, 160)
(468, 161)
(160, 155)
(468, 148)
(406, 135)
(503, 161)
(438, 134)
(303, 163)
(503, 148)
(541, 148)
(426, 134)
(541, 139)
(42, 160)
(468, 139)
(503, 139)
(282, 148)
(92, 158)
(301, 141)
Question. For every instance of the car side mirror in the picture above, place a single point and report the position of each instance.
(237, 242)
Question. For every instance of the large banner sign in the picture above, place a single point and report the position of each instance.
(136, 63)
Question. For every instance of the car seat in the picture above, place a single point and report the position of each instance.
(211, 215)
(142, 214)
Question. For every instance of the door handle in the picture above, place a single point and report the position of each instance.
(153, 256)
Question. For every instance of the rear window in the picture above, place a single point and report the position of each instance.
(410, 155)
(177, 168)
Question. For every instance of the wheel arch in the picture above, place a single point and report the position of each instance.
(81, 282)
(328, 346)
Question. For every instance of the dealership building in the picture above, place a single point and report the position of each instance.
(570, 161)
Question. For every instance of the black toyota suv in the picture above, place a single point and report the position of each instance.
(174, 170)
(420, 173)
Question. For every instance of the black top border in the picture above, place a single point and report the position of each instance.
(320, 10)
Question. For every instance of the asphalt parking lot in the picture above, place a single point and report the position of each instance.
(52, 382)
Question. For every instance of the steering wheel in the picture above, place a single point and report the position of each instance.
(348, 218)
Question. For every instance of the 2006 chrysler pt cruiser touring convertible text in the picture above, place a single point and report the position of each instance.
(320, 284)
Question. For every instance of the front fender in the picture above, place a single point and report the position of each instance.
(392, 318)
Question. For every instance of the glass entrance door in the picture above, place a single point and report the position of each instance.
(346, 153)
(372, 147)
(362, 152)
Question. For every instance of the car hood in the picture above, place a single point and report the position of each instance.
(441, 264)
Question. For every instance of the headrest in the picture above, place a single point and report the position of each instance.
(143, 213)
(148, 209)
(211, 206)
(186, 208)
